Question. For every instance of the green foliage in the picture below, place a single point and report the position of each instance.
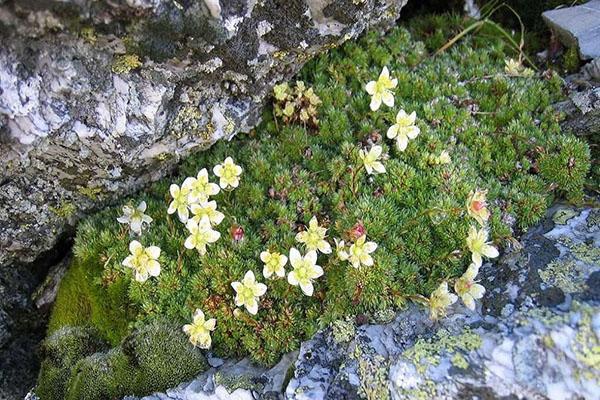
(152, 358)
(565, 163)
(62, 350)
(489, 123)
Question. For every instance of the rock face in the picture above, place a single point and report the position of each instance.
(99, 98)
(536, 336)
(578, 26)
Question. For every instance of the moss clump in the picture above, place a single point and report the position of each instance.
(62, 350)
(490, 124)
(152, 358)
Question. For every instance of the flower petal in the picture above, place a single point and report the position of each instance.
(292, 279)
(153, 268)
(311, 257)
(153, 251)
(295, 257)
(307, 288)
(135, 247)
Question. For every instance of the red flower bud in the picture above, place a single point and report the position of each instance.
(357, 231)
(237, 233)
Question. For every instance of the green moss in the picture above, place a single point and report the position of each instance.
(152, 358)
(62, 350)
(501, 133)
(82, 301)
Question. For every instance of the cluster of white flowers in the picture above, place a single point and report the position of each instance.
(402, 132)
(477, 242)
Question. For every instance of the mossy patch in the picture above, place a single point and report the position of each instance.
(487, 122)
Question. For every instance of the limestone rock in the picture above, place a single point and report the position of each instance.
(99, 98)
(578, 26)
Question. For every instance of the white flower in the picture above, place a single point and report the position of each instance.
(314, 237)
(143, 260)
(479, 246)
(371, 160)
(208, 209)
(180, 201)
(380, 90)
(439, 300)
(305, 270)
(229, 173)
(135, 217)
(274, 263)
(340, 250)
(404, 129)
(199, 330)
(360, 252)
(444, 158)
(200, 187)
(517, 69)
(248, 291)
(467, 288)
(477, 206)
(201, 234)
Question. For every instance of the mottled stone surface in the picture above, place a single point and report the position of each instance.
(578, 26)
(535, 336)
(98, 98)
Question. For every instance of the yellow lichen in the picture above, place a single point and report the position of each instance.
(125, 63)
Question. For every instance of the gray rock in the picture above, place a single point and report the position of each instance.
(582, 112)
(577, 26)
(99, 98)
(536, 336)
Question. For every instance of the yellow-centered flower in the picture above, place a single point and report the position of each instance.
(314, 237)
(201, 234)
(467, 288)
(440, 300)
(248, 291)
(274, 263)
(477, 206)
(135, 217)
(360, 252)
(229, 173)
(143, 260)
(200, 189)
(199, 330)
(479, 246)
(380, 90)
(208, 209)
(305, 270)
(404, 129)
(371, 160)
(180, 201)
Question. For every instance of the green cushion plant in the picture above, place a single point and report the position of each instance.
(479, 128)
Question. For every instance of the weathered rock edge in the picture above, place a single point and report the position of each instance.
(84, 122)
